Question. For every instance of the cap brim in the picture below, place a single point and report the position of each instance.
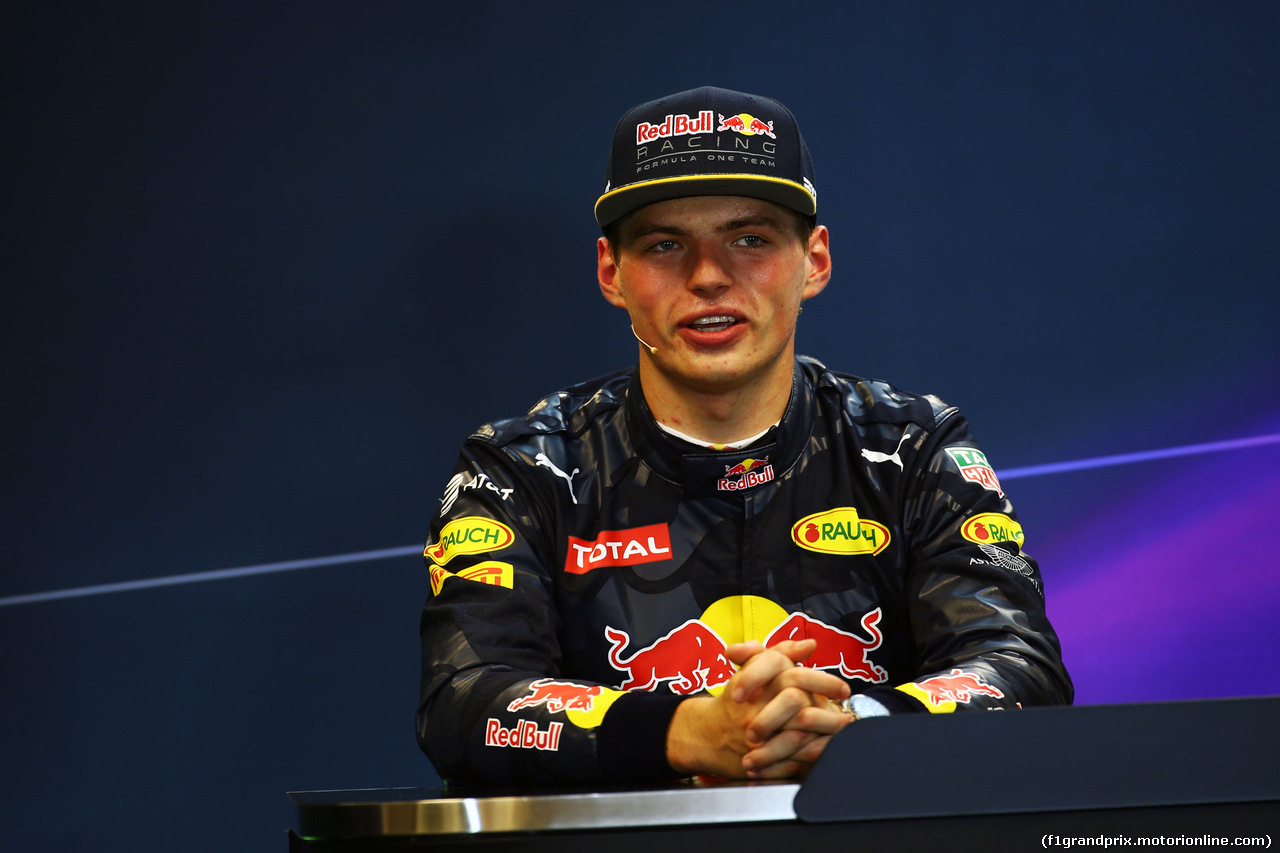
(616, 204)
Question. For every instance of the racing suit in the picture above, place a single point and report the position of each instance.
(588, 571)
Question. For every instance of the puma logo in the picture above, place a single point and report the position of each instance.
(877, 456)
(542, 460)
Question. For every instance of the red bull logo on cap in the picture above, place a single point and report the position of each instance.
(746, 124)
(682, 125)
(840, 531)
(745, 475)
(837, 649)
(558, 696)
(688, 659)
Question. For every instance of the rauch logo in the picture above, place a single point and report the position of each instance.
(840, 531)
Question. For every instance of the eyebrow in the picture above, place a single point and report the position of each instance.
(760, 221)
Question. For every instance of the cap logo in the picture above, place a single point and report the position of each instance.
(747, 125)
(681, 125)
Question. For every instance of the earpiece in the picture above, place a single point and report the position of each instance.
(641, 340)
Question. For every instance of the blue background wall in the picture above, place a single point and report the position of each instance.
(266, 264)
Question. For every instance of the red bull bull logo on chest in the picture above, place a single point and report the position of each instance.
(837, 649)
(688, 659)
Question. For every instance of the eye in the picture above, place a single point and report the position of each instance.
(663, 246)
(750, 241)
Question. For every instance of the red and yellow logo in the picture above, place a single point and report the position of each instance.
(840, 531)
(470, 535)
(990, 527)
(491, 572)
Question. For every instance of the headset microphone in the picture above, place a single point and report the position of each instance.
(641, 340)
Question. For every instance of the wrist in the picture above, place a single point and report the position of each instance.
(682, 737)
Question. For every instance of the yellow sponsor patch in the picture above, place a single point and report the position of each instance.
(593, 717)
(491, 572)
(840, 531)
(990, 527)
(933, 703)
(470, 535)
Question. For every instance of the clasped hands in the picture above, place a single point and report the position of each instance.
(772, 720)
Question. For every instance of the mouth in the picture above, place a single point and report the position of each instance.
(714, 323)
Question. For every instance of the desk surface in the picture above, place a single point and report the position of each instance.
(427, 811)
(1207, 765)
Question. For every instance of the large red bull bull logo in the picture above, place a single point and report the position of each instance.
(839, 650)
(957, 686)
(975, 468)
(747, 474)
(628, 547)
(746, 124)
(688, 659)
(682, 125)
(840, 531)
(558, 696)
(693, 656)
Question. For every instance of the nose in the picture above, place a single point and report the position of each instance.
(709, 275)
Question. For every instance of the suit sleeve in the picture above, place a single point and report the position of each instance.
(494, 704)
(977, 605)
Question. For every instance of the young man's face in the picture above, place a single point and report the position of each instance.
(715, 284)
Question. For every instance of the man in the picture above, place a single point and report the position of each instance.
(714, 562)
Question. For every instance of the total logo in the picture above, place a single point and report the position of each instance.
(745, 475)
(840, 531)
(692, 657)
(746, 124)
(629, 547)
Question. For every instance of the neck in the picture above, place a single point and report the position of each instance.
(717, 415)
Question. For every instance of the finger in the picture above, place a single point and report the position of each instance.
(781, 747)
(757, 672)
(781, 770)
(758, 760)
(740, 653)
(824, 720)
(812, 751)
(817, 682)
(797, 650)
(778, 714)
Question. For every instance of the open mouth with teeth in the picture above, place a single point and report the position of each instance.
(716, 323)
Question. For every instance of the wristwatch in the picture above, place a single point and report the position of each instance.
(859, 706)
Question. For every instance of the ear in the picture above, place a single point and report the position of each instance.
(607, 274)
(818, 262)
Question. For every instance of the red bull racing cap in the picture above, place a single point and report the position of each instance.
(707, 141)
